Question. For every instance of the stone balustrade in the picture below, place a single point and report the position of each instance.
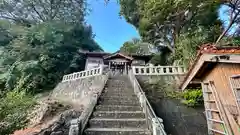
(154, 123)
(158, 70)
(83, 74)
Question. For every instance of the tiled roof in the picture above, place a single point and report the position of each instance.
(212, 49)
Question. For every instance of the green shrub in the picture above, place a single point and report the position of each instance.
(13, 114)
(193, 97)
(161, 89)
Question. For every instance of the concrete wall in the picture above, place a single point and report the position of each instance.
(178, 119)
(152, 79)
(93, 62)
(77, 92)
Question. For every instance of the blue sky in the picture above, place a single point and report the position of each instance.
(224, 16)
(111, 30)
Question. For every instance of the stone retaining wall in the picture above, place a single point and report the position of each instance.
(178, 119)
(77, 92)
(170, 79)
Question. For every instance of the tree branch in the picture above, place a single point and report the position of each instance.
(39, 15)
(42, 5)
(228, 28)
(165, 38)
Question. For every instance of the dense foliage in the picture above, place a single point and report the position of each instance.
(136, 46)
(193, 97)
(13, 114)
(40, 41)
(27, 12)
(177, 28)
(37, 58)
(130, 47)
(160, 89)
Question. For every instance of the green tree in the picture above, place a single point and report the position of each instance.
(13, 114)
(136, 46)
(187, 45)
(44, 53)
(162, 23)
(130, 47)
(129, 9)
(35, 11)
(40, 41)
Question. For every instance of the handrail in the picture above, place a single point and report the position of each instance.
(83, 74)
(156, 125)
(158, 70)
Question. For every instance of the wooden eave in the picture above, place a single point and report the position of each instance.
(118, 54)
(198, 66)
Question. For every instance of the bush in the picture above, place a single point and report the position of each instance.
(164, 89)
(193, 97)
(13, 114)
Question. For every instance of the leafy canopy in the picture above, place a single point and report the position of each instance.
(36, 11)
(164, 23)
(44, 53)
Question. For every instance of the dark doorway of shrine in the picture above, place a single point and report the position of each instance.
(118, 63)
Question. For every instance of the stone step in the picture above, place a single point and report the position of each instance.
(117, 123)
(117, 108)
(119, 114)
(122, 97)
(118, 102)
(129, 98)
(109, 86)
(119, 89)
(118, 94)
(119, 86)
(116, 131)
(118, 98)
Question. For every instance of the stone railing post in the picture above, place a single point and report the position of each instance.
(167, 70)
(101, 69)
(151, 68)
(64, 78)
(184, 70)
(141, 99)
(134, 69)
(145, 70)
(74, 127)
(157, 124)
(160, 70)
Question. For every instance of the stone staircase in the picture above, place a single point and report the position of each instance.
(118, 111)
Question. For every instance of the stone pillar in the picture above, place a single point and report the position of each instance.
(151, 68)
(101, 69)
(109, 64)
(125, 67)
